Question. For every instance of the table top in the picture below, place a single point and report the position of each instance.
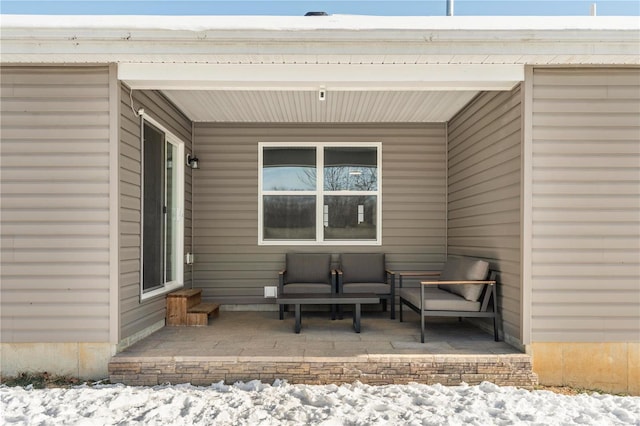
(329, 298)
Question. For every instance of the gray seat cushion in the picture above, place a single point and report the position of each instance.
(362, 267)
(464, 269)
(377, 288)
(306, 288)
(436, 299)
(308, 268)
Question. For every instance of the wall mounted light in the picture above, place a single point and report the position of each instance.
(192, 161)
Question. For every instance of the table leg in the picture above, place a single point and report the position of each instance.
(400, 300)
(356, 317)
(298, 318)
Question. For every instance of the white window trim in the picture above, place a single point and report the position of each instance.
(319, 194)
(179, 163)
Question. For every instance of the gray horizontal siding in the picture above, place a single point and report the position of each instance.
(136, 315)
(586, 205)
(55, 204)
(232, 268)
(484, 193)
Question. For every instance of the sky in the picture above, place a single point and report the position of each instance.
(334, 7)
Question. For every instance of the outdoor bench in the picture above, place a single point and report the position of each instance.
(464, 288)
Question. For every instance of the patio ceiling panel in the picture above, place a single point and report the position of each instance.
(279, 93)
(261, 106)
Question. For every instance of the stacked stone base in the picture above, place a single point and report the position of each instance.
(503, 370)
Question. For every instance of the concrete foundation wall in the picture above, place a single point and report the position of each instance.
(87, 361)
(610, 367)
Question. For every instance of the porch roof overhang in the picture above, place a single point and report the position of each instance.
(270, 69)
(291, 92)
(321, 40)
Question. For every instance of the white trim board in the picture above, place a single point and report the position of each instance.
(315, 76)
(114, 207)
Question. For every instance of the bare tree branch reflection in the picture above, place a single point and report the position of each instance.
(343, 178)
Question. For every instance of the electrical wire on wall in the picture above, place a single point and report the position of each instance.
(140, 111)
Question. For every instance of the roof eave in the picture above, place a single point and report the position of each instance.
(268, 40)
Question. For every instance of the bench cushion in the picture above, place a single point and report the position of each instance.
(362, 267)
(436, 299)
(464, 269)
(308, 268)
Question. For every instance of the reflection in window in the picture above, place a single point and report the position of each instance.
(289, 169)
(320, 192)
(350, 217)
(162, 225)
(172, 218)
(154, 230)
(289, 217)
(350, 169)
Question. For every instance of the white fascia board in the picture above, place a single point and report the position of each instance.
(336, 39)
(315, 76)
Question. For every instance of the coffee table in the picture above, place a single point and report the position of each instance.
(356, 299)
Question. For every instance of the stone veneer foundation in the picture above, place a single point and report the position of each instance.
(503, 370)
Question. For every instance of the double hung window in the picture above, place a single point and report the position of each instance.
(319, 193)
(162, 210)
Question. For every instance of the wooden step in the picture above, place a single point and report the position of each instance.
(187, 297)
(199, 314)
(187, 292)
(184, 307)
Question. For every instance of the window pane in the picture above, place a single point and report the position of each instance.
(172, 212)
(350, 217)
(289, 169)
(350, 169)
(289, 217)
(153, 247)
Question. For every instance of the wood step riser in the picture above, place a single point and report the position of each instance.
(184, 307)
(200, 318)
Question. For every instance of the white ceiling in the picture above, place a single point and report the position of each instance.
(297, 106)
(357, 93)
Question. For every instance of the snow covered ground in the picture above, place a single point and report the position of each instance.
(256, 403)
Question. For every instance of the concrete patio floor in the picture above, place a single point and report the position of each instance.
(252, 334)
(243, 346)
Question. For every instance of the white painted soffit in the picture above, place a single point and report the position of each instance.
(336, 77)
(287, 106)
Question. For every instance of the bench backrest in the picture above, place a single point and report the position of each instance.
(362, 267)
(464, 269)
(308, 268)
